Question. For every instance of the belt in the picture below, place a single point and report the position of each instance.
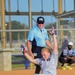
(38, 46)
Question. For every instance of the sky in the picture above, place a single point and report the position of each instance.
(36, 7)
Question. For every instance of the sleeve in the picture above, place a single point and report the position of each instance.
(38, 61)
(55, 57)
(64, 52)
(31, 35)
(73, 53)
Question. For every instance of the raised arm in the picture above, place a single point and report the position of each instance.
(55, 44)
(55, 47)
(27, 55)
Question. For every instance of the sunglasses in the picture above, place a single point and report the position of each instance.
(40, 23)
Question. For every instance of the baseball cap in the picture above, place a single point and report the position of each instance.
(70, 43)
(40, 20)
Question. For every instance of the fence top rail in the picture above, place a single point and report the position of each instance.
(22, 30)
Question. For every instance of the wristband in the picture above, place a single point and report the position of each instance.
(23, 49)
(53, 34)
(24, 52)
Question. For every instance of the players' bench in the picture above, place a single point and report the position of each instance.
(20, 62)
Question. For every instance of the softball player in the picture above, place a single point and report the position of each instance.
(67, 56)
(48, 62)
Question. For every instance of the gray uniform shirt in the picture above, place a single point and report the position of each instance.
(48, 67)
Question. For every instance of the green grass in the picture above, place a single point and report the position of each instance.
(17, 65)
(14, 66)
(21, 66)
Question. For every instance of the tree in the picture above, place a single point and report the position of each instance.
(15, 25)
(48, 26)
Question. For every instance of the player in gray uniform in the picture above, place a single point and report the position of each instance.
(67, 56)
(48, 62)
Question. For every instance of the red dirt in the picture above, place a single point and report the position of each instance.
(31, 72)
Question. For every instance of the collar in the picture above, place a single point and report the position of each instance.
(48, 58)
(39, 29)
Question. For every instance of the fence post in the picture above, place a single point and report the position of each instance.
(5, 60)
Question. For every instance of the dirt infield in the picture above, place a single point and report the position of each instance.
(31, 72)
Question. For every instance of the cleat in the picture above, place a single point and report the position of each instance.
(63, 68)
(68, 67)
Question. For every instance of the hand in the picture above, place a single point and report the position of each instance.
(23, 49)
(52, 31)
(73, 58)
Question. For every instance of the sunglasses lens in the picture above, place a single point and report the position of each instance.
(41, 23)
